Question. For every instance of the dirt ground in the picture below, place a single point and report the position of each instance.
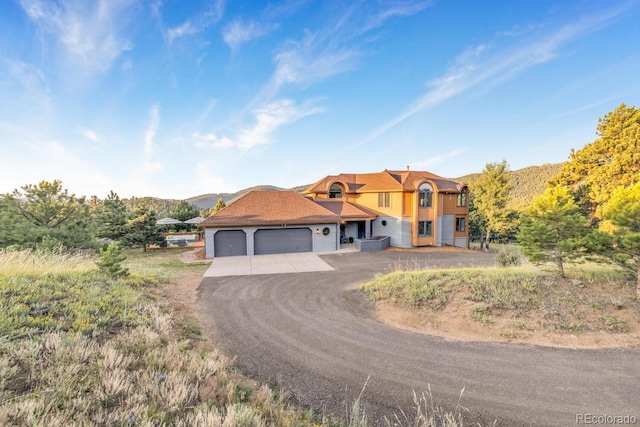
(454, 323)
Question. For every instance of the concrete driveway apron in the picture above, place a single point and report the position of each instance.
(266, 264)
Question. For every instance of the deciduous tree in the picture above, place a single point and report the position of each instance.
(490, 199)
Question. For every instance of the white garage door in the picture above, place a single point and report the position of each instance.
(282, 241)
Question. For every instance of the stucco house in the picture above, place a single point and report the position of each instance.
(413, 208)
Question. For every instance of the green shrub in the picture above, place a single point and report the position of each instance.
(508, 256)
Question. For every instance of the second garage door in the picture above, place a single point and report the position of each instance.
(282, 241)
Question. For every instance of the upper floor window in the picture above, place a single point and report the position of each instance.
(425, 196)
(384, 200)
(462, 197)
(335, 191)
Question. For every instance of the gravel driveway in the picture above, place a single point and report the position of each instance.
(313, 334)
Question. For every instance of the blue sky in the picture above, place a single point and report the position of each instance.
(178, 98)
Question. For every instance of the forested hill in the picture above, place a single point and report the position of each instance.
(527, 182)
(206, 201)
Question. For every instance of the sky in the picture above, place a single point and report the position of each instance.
(173, 98)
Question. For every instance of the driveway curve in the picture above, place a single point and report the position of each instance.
(314, 335)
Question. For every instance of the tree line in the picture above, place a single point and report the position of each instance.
(47, 215)
(589, 210)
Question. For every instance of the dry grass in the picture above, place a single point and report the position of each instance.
(77, 348)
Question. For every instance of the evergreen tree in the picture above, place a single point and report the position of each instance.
(623, 212)
(611, 161)
(142, 229)
(110, 262)
(49, 210)
(552, 228)
(111, 217)
(490, 199)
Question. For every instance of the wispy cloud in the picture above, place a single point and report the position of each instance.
(152, 127)
(333, 49)
(484, 65)
(237, 32)
(266, 121)
(210, 16)
(436, 160)
(94, 32)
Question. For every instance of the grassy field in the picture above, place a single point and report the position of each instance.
(79, 348)
(594, 298)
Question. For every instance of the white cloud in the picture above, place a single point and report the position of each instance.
(94, 32)
(89, 134)
(481, 65)
(152, 127)
(237, 33)
(210, 140)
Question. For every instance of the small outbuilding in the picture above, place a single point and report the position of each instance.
(271, 222)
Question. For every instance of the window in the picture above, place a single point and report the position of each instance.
(461, 224)
(425, 196)
(384, 200)
(326, 231)
(335, 191)
(425, 228)
(462, 197)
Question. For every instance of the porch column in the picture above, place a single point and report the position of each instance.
(367, 229)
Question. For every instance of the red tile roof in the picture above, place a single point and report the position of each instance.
(256, 208)
(384, 181)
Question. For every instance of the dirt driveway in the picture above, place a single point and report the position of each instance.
(314, 334)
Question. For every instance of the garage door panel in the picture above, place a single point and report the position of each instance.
(230, 243)
(282, 240)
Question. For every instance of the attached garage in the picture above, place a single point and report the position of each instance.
(282, 240)
(270, 222)
(230, 243)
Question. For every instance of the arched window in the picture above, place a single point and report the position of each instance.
(462, 197)
(336, 191)
(425, 196)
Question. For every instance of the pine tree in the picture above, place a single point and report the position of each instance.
(552, 228)
(111, 217)
(110, 262)
(623, 212)
(142, 229)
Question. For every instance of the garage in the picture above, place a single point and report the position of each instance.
(230, 243)
(282, 240)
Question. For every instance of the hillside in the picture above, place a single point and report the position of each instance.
(527, 182)
(207, 201)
